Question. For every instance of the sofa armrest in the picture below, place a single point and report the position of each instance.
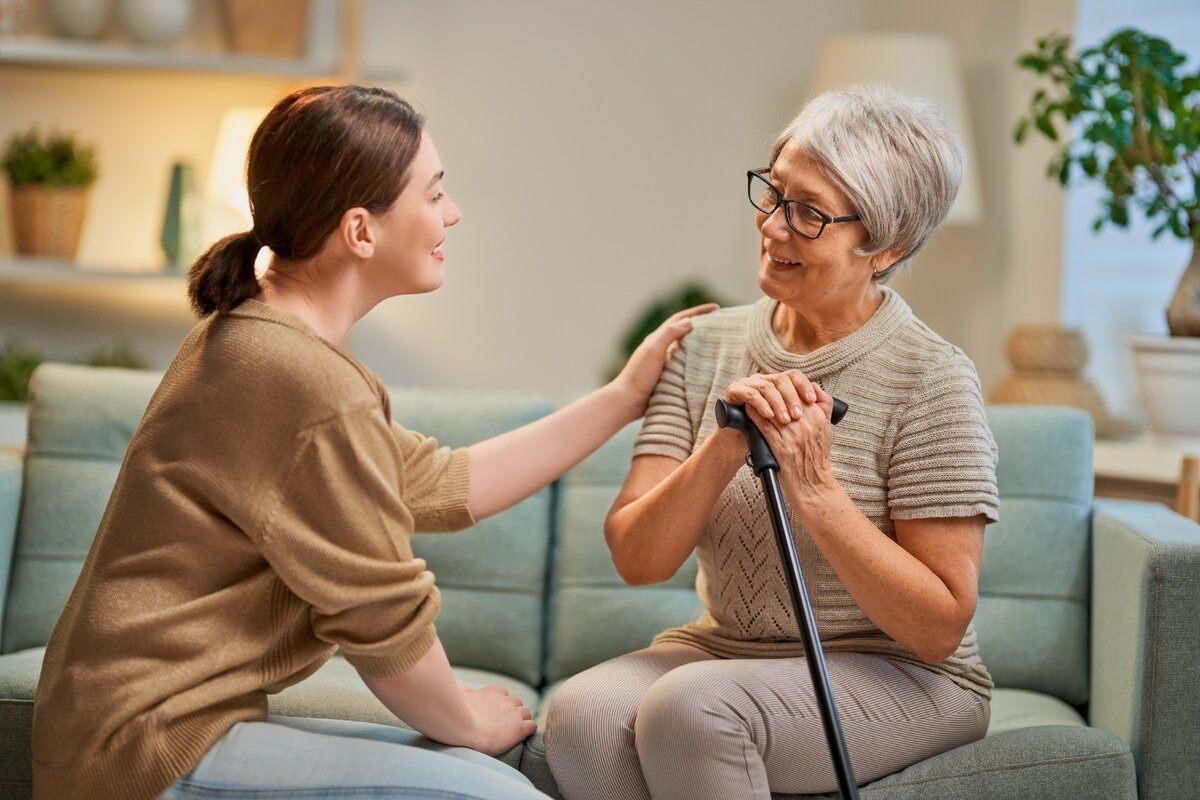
(10, 504)
(1145, 671)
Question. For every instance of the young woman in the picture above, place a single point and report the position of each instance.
(262, 516)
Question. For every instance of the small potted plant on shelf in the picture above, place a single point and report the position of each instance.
(1128, 117)
(49, 180)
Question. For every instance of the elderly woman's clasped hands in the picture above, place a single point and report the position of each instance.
(794, 414)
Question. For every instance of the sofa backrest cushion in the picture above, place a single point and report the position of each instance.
(82, 420)
(1033, 613)
(594, 615)
(493, 578)
(1032, 617)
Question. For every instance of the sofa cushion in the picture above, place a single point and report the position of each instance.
(1018, 708)
(81, 422)
(493, 577)
(594, 615)
(1032, 616)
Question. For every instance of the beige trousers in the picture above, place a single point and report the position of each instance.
(673, 721)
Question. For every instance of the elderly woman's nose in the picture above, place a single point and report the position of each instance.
(774, 225)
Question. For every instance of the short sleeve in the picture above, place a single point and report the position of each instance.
(337, 532)
(667, 426)
(436, 485)
(943, 461)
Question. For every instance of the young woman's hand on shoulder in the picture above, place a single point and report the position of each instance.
(645, 366)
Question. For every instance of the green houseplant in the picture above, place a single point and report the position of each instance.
(49, 178)
(1135, 113)
(1126, 115)
(655, 314)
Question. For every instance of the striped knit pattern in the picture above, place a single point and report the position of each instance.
(915, 445)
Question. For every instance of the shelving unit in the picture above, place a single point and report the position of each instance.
(38, 51)
(40, 271)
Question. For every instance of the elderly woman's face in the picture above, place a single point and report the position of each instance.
(792, 267)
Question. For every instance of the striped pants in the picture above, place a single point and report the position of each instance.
(673, 721)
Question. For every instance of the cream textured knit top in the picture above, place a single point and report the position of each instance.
(261, 519)
(915, 444)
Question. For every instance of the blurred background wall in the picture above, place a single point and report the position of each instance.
(598, 153)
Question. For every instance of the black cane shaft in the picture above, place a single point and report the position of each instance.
(763, 462)
(813, 652)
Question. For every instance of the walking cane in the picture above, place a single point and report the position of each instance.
(762, 461)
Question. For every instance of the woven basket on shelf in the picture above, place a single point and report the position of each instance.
(278, 29)
(48, 221)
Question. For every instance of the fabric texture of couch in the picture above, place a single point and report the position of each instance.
(1087, 620)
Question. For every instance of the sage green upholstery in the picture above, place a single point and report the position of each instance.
(1088, 613)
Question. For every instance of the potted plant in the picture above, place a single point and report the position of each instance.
(1130, 120)
(655, 314)
(49, 178)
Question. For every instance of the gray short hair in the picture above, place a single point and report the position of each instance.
(893, 155)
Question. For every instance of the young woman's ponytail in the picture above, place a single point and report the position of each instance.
(224, 276)
(320, 151)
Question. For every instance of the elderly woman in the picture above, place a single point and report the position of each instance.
(888, 508)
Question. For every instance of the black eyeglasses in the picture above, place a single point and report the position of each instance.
(804, 219)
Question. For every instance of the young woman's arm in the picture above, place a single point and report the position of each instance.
(508, 468)
(427, 697)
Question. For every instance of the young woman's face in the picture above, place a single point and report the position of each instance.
(413, 230)
(791, 267)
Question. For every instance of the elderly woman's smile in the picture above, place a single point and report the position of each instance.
(800, 247)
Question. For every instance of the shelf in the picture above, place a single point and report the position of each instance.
(1148, 459)
(31, 270)
(49, 52)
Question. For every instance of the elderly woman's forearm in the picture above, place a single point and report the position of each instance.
(899, 593)
(652, 534)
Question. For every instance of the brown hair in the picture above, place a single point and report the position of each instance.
(318, 152)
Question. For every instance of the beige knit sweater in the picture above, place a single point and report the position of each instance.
(915, 445)
(261, 519)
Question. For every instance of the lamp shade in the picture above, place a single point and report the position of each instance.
(226, 201)
(919, 64)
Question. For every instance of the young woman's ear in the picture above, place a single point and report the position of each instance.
(358, 232)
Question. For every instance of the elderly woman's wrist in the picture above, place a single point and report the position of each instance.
(815, 500)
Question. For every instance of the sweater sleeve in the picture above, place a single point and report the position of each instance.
(943, 461)
(667, 426)
(337, 533)
(437, 482)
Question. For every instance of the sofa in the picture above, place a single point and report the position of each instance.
(1088, 619)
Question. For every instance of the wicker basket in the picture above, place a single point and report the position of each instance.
(48, 221)
(278, 29)
(1046, 348)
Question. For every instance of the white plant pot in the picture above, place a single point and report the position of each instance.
(82, 19)
(12, 424)
(1168, 369)
(154, 21)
